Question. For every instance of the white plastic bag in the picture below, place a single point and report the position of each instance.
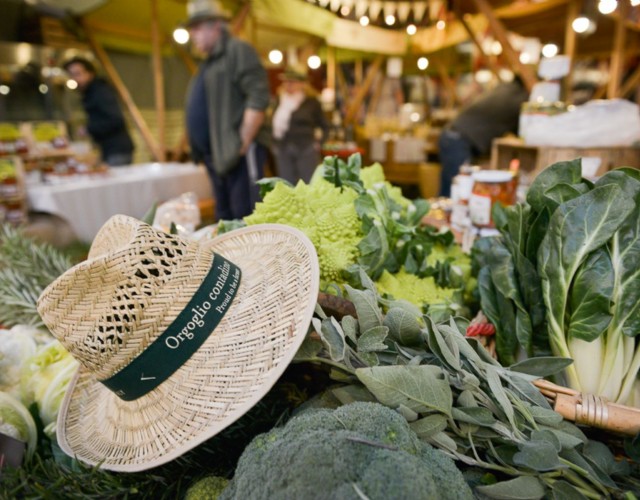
(600, 123)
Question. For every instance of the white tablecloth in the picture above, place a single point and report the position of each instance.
(87, 203)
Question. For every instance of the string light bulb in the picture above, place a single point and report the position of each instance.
(411, 29)
(607, 6)
(181, 35)
(364, 21)
(390, 20)
(314, 62)
(423, 63)
(275, 56)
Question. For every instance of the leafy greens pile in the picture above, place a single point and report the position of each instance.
(565, 273)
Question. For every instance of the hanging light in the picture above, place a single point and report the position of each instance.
(525, 57)
(72, 84)
(411, 29)
(345, 10)
(583, 25)
(314, 62)
(275, 56)
(181, 35)
(607, 6)
(496, 48)
(635, 3)
(43, 88)
(441, 25)
(390, 19)
(423, 63)
(4, 89)
(364, 21)
(550, 50)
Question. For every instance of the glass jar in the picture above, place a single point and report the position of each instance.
(489, 187)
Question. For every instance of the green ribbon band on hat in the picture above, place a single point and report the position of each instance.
(183, 337)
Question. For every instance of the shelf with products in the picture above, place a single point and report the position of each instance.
(13, 198)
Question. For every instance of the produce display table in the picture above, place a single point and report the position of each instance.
(86, 203)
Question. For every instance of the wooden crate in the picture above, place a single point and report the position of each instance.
(534, 159)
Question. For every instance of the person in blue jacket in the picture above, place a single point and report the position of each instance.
(105, 122)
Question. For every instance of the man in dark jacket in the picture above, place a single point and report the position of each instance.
(493, 114)
(106, 123)
(225, 110)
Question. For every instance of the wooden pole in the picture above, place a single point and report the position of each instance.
(361, 92)
(631, 83)
(376, 94)
(358, 73)
(570, 42)
(237, 23)
(491, 62)
(499, 31)
(448, 83)
(616, 66)
(331, 67)
(186, 58)
(158, 80)
(137, 117)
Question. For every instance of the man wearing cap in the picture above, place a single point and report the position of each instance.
(225, 108)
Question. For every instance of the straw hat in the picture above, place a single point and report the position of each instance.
(133, 311)
(292, 75)
(205, 10)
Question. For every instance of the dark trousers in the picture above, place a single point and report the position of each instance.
(296, 161)
(237, 192)
(454, 151)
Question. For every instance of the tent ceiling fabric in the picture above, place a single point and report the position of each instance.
(124, 25)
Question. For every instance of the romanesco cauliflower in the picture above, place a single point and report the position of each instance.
(325, 213)
(370, 176)
(409, 287)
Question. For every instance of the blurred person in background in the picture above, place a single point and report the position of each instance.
(105, 122)
(225, 110)
(494, 113)
(298, 127)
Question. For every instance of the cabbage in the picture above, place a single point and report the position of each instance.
(45, 379)
(16, 346)
(17, 422)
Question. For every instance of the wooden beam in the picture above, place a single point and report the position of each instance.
(237, 23)
(376, 94)
(342, 82)
(158, 80)
(631, 83)
(616, 65)
(186, 58)
(491, 62)
(448, 83)
(570, 39)
(358, 72)
(122, 90)
(331, 67)
(362, 90)
(499, 31)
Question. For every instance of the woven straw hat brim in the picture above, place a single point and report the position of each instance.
(238, 364)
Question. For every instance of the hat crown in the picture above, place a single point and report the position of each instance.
(206, 9)
(107, 310)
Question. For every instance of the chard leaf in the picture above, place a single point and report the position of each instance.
(332, 337)
(428, 426)
(590, 298)
(366, 304)
(562, 490)
(403, 327)
(559, 194)
(537, 455)
(520, 488)
(537, 230)
(564, 172)
(577, 228)
(542, 366)
(373, 339)
(421, 388)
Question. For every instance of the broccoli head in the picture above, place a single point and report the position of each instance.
(207, 488)
(361, 450)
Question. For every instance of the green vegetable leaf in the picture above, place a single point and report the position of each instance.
(542, 366)
(442, 349)
(520, 488)
(546, 437)
(366, 304)
(559, 194)
(403, 327)
(528, 391)
(538, 455)
(564, 172)
(590, 298)
(309, 349)
(421, 388)
(562, 490)
(266, 185)
(332, 337)
(545, 416)
(428, 426)
(373, 339)
(474, 415)
(500, 395)
(537, 231)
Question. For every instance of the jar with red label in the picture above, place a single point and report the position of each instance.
(489, 187)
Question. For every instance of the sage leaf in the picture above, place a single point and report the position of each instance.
(590, 299)
(350, 328)
(528, 392)
(332, 337)
(403, 327)
(408, 414)
(366, 304)
(538, 455)
(352, 393)
(421, 388)
(562, 490)
(369, 358)
(309, 349)
(520, 488)
(542, 366)
(440, 348)
(474, 415)
(443, 440)
(373, 339)
(500, 395)
(546, 416)
(428, 426)
(547, 437)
